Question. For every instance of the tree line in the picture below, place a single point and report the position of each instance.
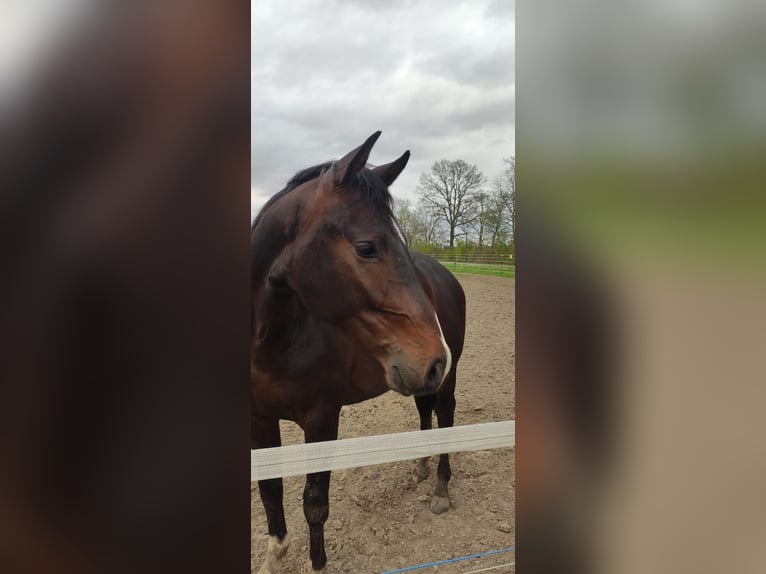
(460, 211)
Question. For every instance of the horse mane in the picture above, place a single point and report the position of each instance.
(373, 190)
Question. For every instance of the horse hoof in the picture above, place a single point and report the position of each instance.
(275, 552)
(422, 470)
(439, 504)
(278, 549)
(308, 568)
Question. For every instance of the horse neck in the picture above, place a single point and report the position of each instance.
(287, 337)
(271, 244)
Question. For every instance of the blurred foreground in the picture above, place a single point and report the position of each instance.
(640, 287)
(123, 302)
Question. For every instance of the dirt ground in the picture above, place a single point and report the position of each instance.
(379, 516)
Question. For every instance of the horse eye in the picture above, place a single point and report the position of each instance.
(365, 249)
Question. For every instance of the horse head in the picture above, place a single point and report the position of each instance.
(346, 261)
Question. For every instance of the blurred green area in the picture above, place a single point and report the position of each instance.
(642, 129)
(508, 271)
(706, 210)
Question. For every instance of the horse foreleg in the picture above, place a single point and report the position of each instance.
(425, 404)
(316, 494)
(271, 496)
(316, 508)
(445, 415)
(265, 434)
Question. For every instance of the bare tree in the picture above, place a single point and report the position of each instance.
(481, 220)
(449, 192)
(406, 217)
(497, 220)
(505, 188)
(420, 225)
(429, 223)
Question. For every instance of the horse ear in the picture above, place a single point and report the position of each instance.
(354, 161)
(390, 171)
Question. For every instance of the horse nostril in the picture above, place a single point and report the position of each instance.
(435, 373)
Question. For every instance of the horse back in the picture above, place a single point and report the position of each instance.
(447, 296)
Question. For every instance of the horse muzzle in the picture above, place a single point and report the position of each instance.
(411, 380)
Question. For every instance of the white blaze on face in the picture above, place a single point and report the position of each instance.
(446, 349)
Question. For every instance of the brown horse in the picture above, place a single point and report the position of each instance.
(343, 312)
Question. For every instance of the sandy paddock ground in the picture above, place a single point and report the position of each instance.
(379, 515)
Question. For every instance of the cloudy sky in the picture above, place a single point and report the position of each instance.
(437, 78)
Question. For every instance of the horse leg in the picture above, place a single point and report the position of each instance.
(445, 415)
(316, 503)
(265, 434)
(425, 404)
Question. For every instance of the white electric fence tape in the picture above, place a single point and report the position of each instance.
(302, 459)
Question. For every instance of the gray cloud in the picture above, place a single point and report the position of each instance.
(501, 8)
(436, 78)
(486, 70)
